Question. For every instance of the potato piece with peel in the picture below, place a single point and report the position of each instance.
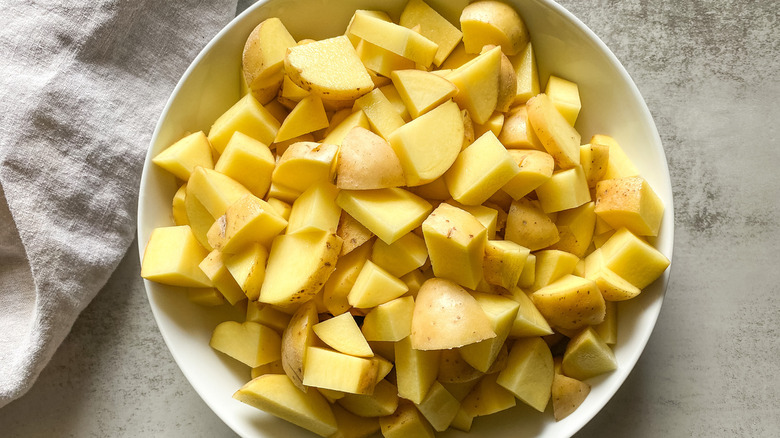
(421, 91)
(179, 206)
(388, 213)
(249, 342)
(298, 266)
(405, 422)
(507, 82)
(395, 38)
(527, 225)
(570, 303)
(390, 321)
(567, 395)
(381, 403)
(343, 334)
(352, 232)
(529, 372)
(480, 170)
(172, 256)
(264, 51)
(478, 84)
(453, 369)
(447, 316)
(607, 330)
(594, 159)
(432, 26)
(428, 145)
(296, 339)
(247, 116)
(199, 219)
(182, 157)
(353, 426)
(277, 395)
(587, 356)
(336, 371)
(366, 161)
(557, 136)
(619, 164)
(456, 244)
(501, 312)
(517, 133)
(307, 116)
(246, 221)
(329, 68)
(336, 289)
(305, 163)
(493, 22)
(536, 168)
(439, 407)
(629, 202)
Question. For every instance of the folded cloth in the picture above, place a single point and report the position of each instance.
(82, 86)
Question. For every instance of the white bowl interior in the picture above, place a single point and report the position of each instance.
(564, 46)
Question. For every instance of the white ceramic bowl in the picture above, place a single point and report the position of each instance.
(564, 46)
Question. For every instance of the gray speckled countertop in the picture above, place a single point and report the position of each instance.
(709, 71)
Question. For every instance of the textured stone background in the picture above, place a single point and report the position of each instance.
(709, 73)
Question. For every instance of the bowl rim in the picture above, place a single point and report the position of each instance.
(626, 366)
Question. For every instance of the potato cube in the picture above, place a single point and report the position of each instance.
(179, 206)
(565, 95)
(529, 321)
(339, 131)
(182, 157)
(575, 228)
(315, 209)
(536, 168)
(619, 165)
(501, 312)
(594, 159)
(388, 213)
(570, 303)
(421, 91)
(264, 51)
(551, 265)
(307, 116)
(564, 190)
(504, 262)
(338, 285)
(529, 372)
(567, 395)
(249, 162)
(527, 74)
(395, 38)
(629, 202)
(633, 259)
(205, 296)
(529, 226)
(612, 286)
(329, 68)
(402, 256)
(381, 60)
(432, 26)
(381, 114)
(247, 116)
(415, 370)
(557, 136)
(587, 356)
(338, 371)
(381, 403)
(406, 422)
(277, 395)
(439, 407)
(517, 133)
(607, 330)
(247, 267)
(172, 256)
(250, 343)
(456, 244)
(390, 321)
(488, 397)
(303, 164)
(248, 220)
(214, 268)
(298, 266)
(428, 145)
(480, 170)
(374, 286)
(478, 82)
(268, 316)
(215, 191)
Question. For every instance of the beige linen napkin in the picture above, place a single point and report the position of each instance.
(83, 83)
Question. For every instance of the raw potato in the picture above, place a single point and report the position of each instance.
(249, 342)
(172, 256)
(492, 22)
(571, 303)
(342, 334)
(182, 157)
(558, 137)
(264, 52)
(305, 163)
(296, 339)
(366, 161)
(567, 395)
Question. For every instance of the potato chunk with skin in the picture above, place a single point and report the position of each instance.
(570, 303)
(567, 395)
(264, 51)
(594, 159)
(352, 232)
(503, 262)
(296, 339)
(248, 220)
(557, 136)
(575, 227)
(303, 164)
(298, 266)
(456, 245)
(277, 395)
(527, 225)
(428, 145)
(405, 422)
(629, 202)
(329, 68)
(517, 133)
(366, 161)
(565, 95)
(447, 316)
(493, 22)
(388, 213)
(619, 164)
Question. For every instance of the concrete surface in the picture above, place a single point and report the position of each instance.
(709, 73)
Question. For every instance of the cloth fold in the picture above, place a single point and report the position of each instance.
(83, 84)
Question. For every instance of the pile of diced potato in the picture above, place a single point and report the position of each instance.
(416, 232)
